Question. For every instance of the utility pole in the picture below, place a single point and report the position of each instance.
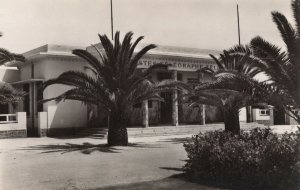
(238, 22)
(248, 108)
(111, 20)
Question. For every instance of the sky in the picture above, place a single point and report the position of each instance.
(204, 24)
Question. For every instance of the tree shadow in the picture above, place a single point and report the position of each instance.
(216, 183)
(173, 169)
(177, 140)
(85, 148)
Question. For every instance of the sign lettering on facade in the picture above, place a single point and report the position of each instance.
(177, 65)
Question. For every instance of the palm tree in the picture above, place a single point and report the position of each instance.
(8, 94)
(116, 83)
(8, 57)
(230, 88)
(282, 66)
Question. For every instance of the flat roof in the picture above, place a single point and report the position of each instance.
(177, 51)
(162, 50)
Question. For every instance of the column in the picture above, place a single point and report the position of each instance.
(145, 113)
(271, 115)
(174, 102)
(202, 114)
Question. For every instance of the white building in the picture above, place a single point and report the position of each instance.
(50, 61)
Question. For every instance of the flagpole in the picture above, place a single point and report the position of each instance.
(238, 21)
(111, 20)
(249, 116)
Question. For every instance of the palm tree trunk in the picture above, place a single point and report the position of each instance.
(117, 132)
(231, 121)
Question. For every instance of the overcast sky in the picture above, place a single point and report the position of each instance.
(205, 24)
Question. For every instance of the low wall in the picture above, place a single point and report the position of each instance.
(281, 129)
(15, 129)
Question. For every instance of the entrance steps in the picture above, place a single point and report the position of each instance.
(183, 129)
(162, 130)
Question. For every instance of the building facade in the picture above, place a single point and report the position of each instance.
(50, 61)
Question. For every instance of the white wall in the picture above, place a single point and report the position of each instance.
(257, 116)
(64, 114)
(243, 115)
(9, 75)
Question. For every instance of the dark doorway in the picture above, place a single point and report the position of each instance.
(279, 116)
(166, 108)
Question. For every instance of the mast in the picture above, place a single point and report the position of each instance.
(238, 21)
(111, 20)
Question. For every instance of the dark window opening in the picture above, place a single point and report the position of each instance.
(179, 76)
(163, 76)
(150, 102)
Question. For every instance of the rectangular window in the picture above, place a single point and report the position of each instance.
(163, 76)
(179, 76)
(264, 112)
(150, 103)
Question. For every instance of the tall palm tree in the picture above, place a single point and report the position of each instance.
(116, 83)
(282, 66)
(230, 88)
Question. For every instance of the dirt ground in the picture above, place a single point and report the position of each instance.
(86, 163)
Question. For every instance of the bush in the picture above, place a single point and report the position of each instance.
(255, 159)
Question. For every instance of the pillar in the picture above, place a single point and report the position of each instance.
(145, 113)
(174, 102)
(42, 124)
(22, 120)
(271, 115)
(202, 114)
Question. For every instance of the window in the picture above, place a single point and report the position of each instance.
(179, 76)
(264, 112)
(149, 103)
(163, 76)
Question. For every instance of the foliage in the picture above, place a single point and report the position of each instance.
(258, 158)
(8, 94)
(116, 84)
(230, 88)
(282, 66)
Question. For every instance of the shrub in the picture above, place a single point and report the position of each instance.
(255, 159)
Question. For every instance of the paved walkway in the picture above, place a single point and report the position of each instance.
(48, 163)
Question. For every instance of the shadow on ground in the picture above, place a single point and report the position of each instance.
(176, 140)
(85, 148)
(176, 182)
(181, 182)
